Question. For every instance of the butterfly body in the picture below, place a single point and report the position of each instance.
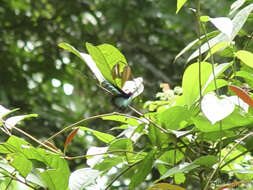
(122, 102)
(120, 98)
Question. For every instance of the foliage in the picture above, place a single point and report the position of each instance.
(198, 136)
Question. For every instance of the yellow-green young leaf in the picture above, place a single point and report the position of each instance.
(180, 4)
(191, 81)
(21, 163)
(100, 61)
(217, 47)
(165, 186)
(174, 117)
(107, 138)
(246, 57)
(179, 178)
(123, 144)
(70, 48)
(204, 18)
(113, 57)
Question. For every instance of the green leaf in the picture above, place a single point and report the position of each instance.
(245, 75)
(180, 4)
(152, 135)
(122, 119)
(174, 117)
(218, 70)
(167, 159)
(113, 56)
(160, 139)
(238, 22)
(86, 58)
(21, 164)
(219, 83)
(107, 138)
(55, 174)
(204, 18)
(144, 168)
(246, 57)
(182, 168)
(214, 136)
(121, 127)
(100, 61)
(216, 48)
(207, 161)
(70, 48)
(121, 144)
(179, 178)
(228, 51)
(191, 81)
(236, 119)
(13, 145)
(108, 163)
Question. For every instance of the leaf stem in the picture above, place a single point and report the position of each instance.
(36, 140)
(14, 178)
(78, 123)
(109, 152)
(197, 13)
(121, 173)
(239, 155)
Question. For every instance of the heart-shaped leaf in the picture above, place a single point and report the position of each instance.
(216, 109)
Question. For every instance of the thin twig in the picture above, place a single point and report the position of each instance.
(121, 173)
(238, 156)
(36, 140)
(78, 123)
(197, 13)
(14, 178)
(215, 84)
(89, 155)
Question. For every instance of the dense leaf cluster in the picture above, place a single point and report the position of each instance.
(197, 136)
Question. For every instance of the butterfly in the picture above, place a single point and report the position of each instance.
(109, 66)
